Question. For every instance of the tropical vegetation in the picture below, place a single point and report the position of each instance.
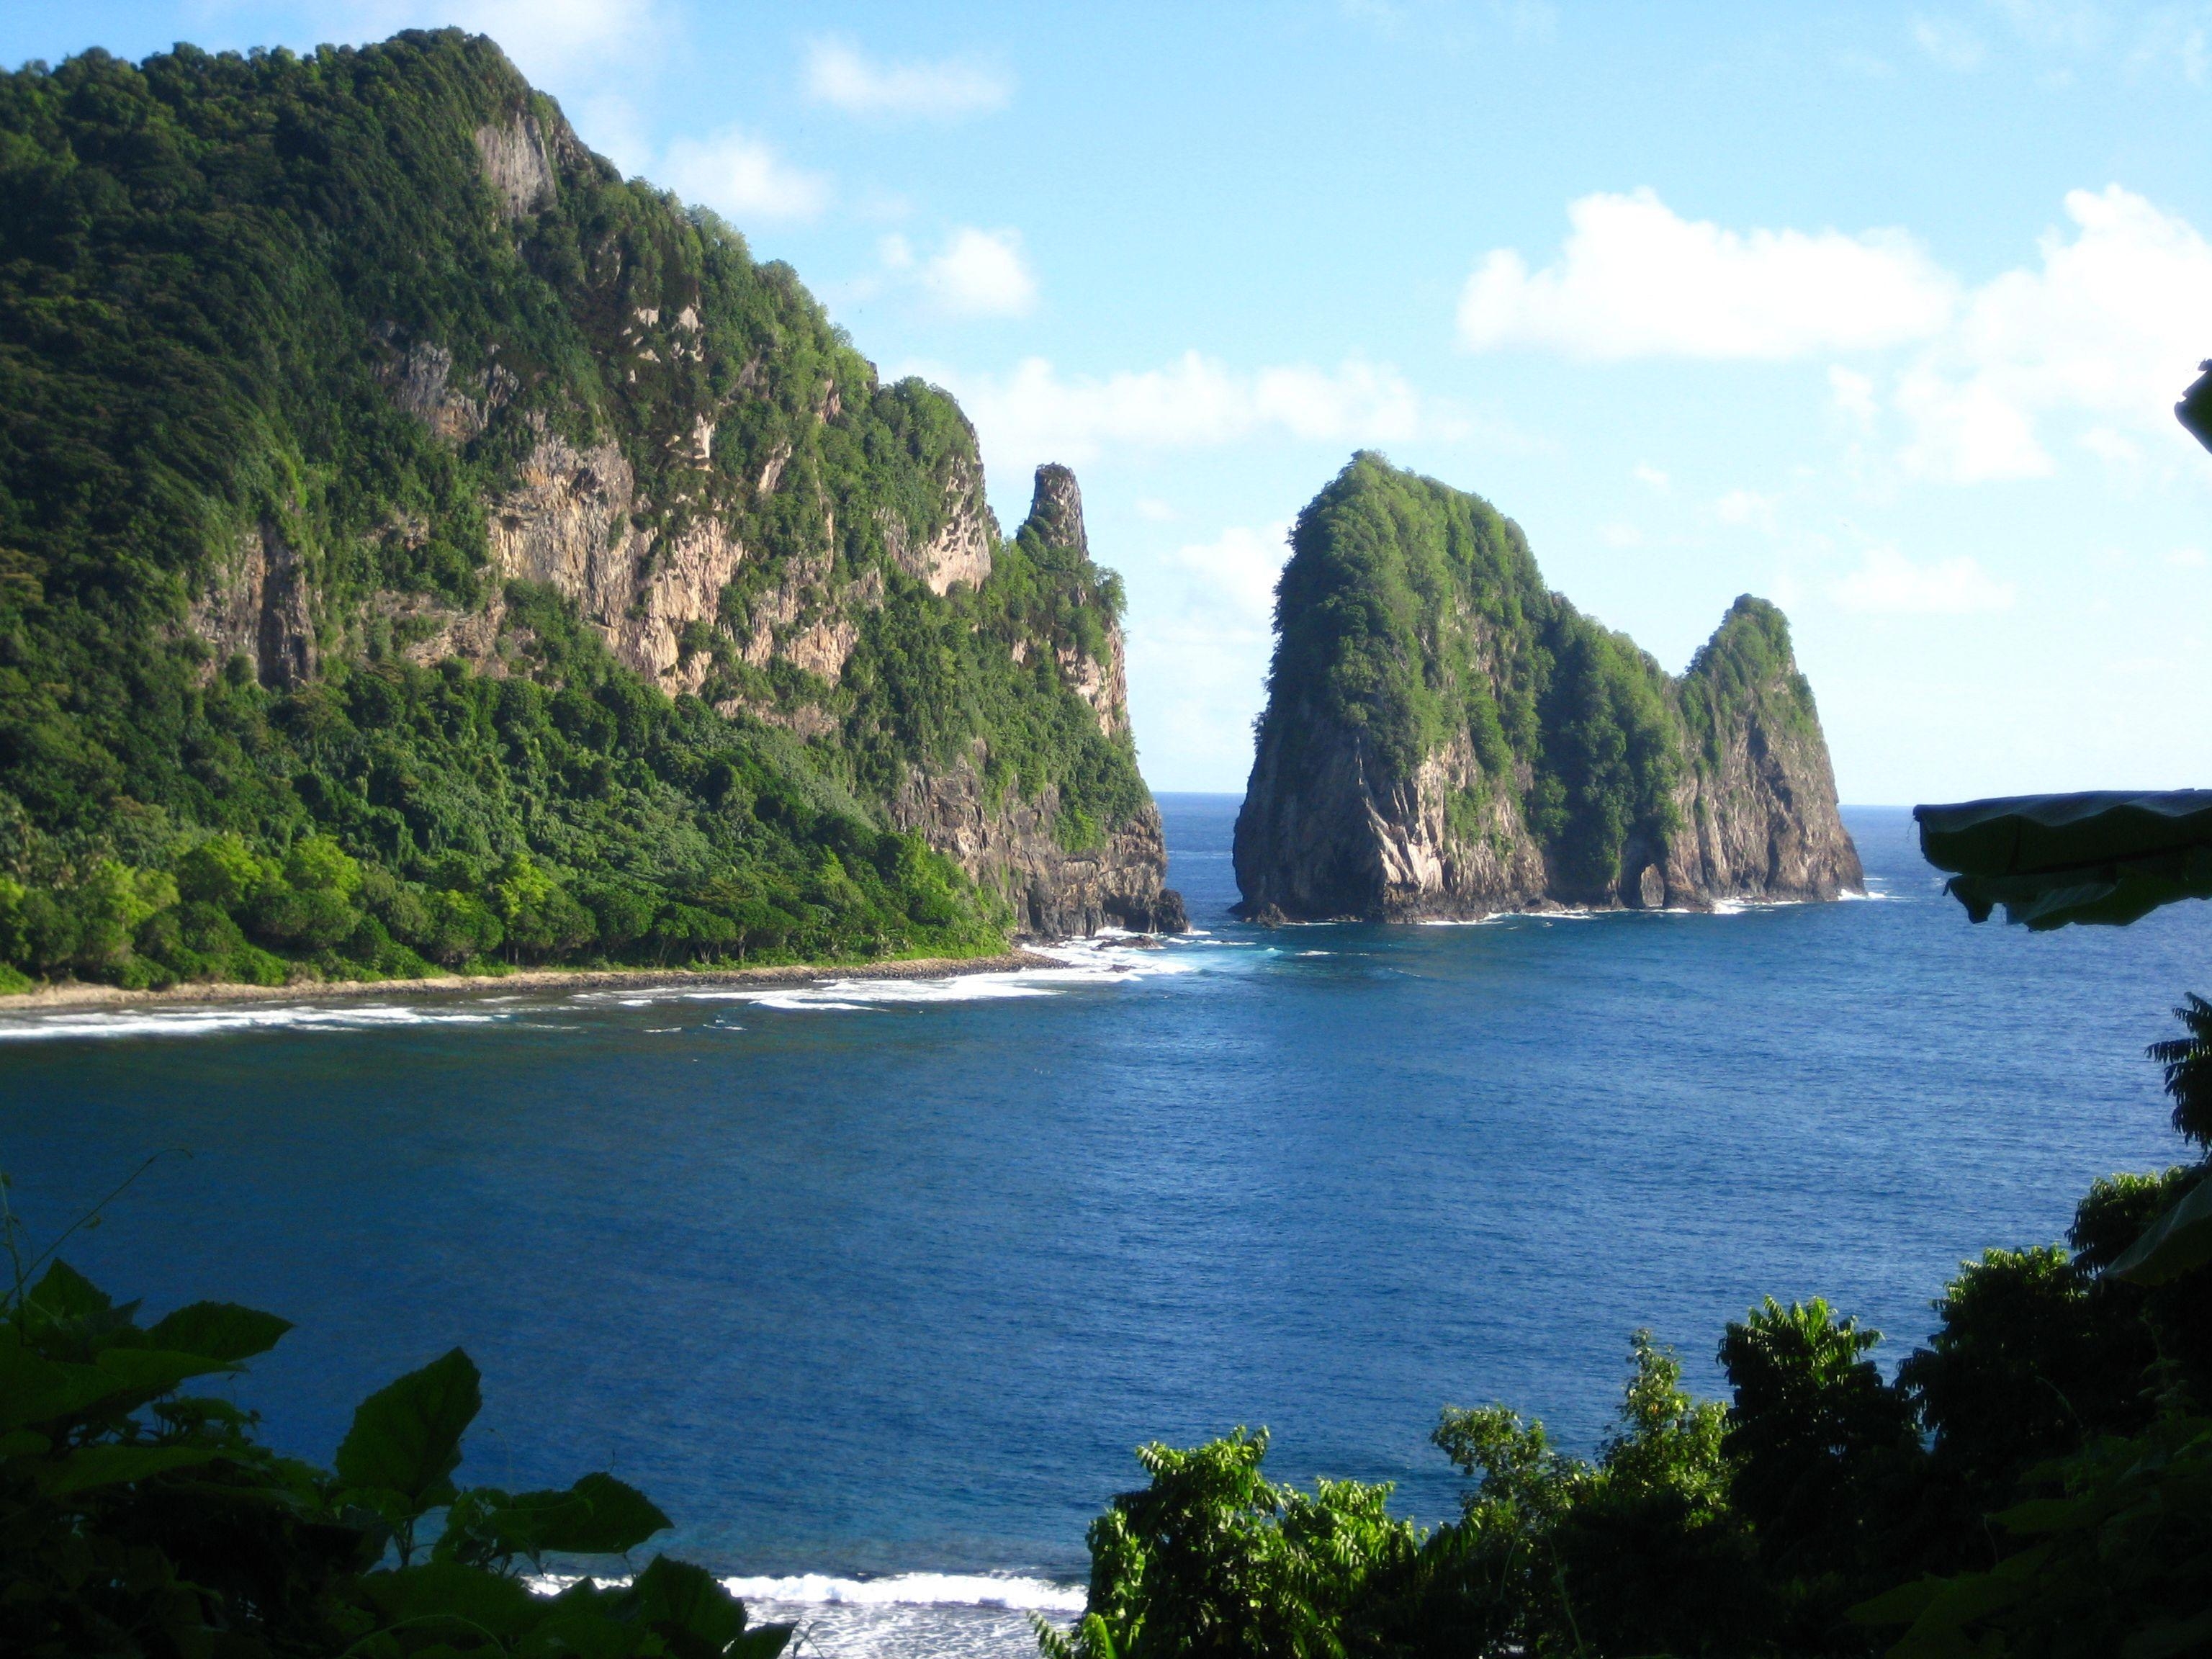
(1413, 614)
(140, 1519)
(219, 273)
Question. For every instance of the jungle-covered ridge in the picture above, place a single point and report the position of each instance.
(420, 547)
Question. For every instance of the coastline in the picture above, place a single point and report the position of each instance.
(77, 995)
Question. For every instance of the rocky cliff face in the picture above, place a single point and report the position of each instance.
(457, 364)
(1446, 738)
(1018, 848)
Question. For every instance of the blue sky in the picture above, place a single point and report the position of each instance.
(1877, 310)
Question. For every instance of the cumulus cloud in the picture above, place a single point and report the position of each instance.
(742, 177)
(1036, 413)
(1199, 648)
(2104, 328)
(1743, 506)
(980, 273)
(1887, 581)
(2109, 324)
(838, 75)
(1634, 279)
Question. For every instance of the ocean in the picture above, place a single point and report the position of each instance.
(875, 1286)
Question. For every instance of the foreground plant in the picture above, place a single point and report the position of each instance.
(138, 1519)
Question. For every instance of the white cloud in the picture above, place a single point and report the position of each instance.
(1199, 637)
(2186, 558)
(1853, 394)
(1648, 476)
(1633, 279)
(742, 177)
(839, 75)
(979, 273)
(1237, 573)
(2110, 324)
(1619, 534)
(1888, 582)
(1151, 508)
(1742, 507)
(1948, 42)
(1036, 414)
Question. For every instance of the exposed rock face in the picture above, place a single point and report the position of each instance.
(257, 607)
(516, 166)
(1380, 804)
(1009, 847)
(634, 415)
(1114, 880)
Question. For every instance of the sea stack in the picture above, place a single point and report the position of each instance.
(1444, 737)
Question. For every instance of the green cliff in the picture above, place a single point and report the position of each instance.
(1444, 737)
(419, 545)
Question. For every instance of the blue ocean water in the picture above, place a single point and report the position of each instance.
(883, 1283)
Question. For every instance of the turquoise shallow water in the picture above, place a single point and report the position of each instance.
(888, 1281)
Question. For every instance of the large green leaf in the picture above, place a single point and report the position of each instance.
(2108, 857)
(63, 1293)
(406, 1437)
(688, 1608)
(470, 1598)
(221, 1330)
(37, 1390)
(111, 1465)
(157, 1371)
(615, 1517)
(2178, 1241)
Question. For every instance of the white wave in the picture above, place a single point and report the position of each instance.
(900, 1589)
(914, 1590)
(1108, 959)
(219, 1020)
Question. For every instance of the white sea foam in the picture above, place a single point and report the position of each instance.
(1108, 959)
(914, 1590)
(914, 1615)
(223, 1019)
(900, 1589)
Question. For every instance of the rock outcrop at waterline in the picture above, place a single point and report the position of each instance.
(1055, 882)
(1445, 737)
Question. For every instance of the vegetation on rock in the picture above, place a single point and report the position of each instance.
(1414, 634)
(285, 343)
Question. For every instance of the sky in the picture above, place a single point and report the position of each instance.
(1879, 312)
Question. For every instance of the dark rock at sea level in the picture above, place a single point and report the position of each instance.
(1445, 737)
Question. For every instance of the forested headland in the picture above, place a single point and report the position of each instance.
(421, 548)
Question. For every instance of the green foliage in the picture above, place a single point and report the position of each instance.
(136, 1520)
(1412, 616)
(392, 818)
(1213, 1558)
(2117, 1560)
(217, 275)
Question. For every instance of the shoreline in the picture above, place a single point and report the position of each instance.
(78, 995)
